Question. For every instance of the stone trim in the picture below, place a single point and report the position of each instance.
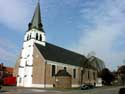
(60, 64)
(42, 85)
(21, 66)
(75, 85)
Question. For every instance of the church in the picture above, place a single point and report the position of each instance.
(45, 65)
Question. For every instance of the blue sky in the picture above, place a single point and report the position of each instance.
(83, 26)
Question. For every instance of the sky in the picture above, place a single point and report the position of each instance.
(94, 27)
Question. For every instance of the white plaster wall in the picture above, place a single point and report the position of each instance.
(75, 85)
(28, 77)
(21, 76)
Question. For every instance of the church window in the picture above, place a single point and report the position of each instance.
(88, 75)
(40, 37)
(94, 76)
(53, 70)
(74, 73)
(64, 68)
(82, 72)
(36, 36)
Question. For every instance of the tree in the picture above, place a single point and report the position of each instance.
(121, 72)
(107, 76)
(86, 64)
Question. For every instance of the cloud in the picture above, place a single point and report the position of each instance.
(5, 43)
(8, 52)
(105, 29)
(14, 13)
(7, 57)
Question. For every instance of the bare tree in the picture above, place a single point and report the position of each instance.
(121, 72)
(86, 63)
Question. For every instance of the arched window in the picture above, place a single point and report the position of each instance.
(40, 37)
(74, 73)
(53, 70)
(88, 75)
(30, 35)
(36, 36)
(27, 37)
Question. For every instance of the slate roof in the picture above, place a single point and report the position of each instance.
(58, 54)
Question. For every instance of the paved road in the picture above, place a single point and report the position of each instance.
(111, 90)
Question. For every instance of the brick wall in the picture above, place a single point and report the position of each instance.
(38, 68)
(63, 82)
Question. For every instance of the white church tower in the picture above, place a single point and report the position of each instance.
(34, 34)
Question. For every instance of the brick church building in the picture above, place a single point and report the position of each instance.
(45, 65)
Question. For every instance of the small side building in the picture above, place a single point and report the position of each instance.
(121, 75)
(63, 79)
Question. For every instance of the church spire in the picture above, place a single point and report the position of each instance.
(36, 22)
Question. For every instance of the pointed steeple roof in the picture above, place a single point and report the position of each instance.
(36, 22)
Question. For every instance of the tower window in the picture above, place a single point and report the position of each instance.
(27, 37)
(30, 36)
(53, 70)
(40, 37)
(36, 36)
